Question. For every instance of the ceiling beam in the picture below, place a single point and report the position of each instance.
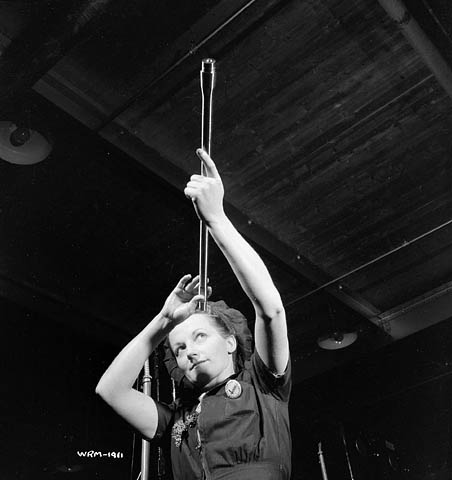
(421, 312)
(410, 28)
(52, 32)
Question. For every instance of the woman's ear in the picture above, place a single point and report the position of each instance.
(232, 343)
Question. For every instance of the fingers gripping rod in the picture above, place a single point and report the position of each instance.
(207, 77)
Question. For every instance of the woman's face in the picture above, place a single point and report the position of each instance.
(201, 352)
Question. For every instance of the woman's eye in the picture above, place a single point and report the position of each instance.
(178, 351)
(200, 336)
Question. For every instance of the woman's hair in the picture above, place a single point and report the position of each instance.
(228, 321)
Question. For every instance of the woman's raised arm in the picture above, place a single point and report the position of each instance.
(116, 384)
(271, 340)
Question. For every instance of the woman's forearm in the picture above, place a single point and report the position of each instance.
(125, 368)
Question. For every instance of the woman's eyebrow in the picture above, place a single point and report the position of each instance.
(197, 330)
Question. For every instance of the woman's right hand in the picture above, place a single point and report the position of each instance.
(183, 300)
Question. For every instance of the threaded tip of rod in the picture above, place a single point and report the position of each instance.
(208, 65)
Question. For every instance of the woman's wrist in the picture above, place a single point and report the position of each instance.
(157, 329)
(163, 322)
(219, 221)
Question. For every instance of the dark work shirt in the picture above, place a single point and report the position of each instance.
(246, 438)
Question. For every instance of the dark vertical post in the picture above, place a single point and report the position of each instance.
(145, 446)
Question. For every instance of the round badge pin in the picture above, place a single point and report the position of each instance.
(233, 389)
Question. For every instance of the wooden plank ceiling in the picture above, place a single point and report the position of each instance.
(332, 135)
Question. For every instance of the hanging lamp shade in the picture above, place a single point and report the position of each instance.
(337, 340)
(22, 145)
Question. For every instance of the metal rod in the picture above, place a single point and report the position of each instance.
(145, 445)
(347, 456)
(207, 77)
(322, 462)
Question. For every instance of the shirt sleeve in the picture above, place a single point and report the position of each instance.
(279, 386)
(165, 419)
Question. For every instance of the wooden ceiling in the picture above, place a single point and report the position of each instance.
(332, 131)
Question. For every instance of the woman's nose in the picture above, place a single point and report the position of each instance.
(192, 352)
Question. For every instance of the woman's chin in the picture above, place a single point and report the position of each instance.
(201, 380)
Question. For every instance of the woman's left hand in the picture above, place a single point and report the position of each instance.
(182, 301)
(206, 192)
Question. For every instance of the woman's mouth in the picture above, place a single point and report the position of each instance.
(196, 364)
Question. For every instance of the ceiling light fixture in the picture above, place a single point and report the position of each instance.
(337, 340)
(22, 145)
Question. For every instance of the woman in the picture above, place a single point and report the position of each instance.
(231, 420)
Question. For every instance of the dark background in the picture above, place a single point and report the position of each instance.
(332, 133)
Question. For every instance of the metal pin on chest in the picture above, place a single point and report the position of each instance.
(233, 389)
